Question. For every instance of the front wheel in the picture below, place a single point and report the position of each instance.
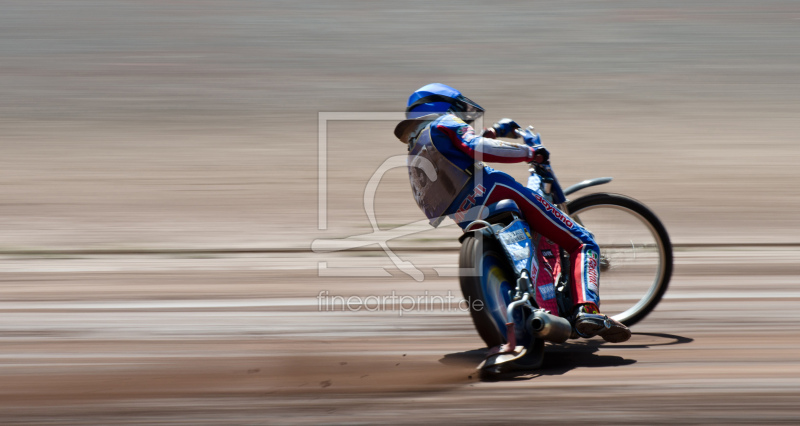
(635, 253)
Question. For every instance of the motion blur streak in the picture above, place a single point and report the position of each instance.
(157, 156)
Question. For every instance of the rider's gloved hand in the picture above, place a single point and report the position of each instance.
(489, 133)
(506, 128)
(539, 154)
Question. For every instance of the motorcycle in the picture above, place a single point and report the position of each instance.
(512, 275)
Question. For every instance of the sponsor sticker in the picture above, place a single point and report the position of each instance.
(469, 202)
(519, 252)
(514, 236)
(554, 211)
(515, 241)
(592, 270)
(547, 291)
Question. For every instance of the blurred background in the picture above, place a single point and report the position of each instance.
(136, 124)
(132, 130)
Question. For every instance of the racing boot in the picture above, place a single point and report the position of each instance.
(588, 322)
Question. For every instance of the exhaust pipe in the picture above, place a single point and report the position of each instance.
(550, 327)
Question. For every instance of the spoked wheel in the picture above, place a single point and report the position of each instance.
(635, 253)
(488, 286)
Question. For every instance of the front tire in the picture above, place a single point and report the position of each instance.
(635, 253)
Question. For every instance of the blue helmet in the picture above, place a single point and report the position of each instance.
(437, 98)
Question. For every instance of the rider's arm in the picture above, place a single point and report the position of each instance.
(463, 137)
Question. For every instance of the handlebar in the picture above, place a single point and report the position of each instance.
(542, 168)
(540, 165)
(527, 135)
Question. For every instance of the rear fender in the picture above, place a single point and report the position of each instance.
(485, 232)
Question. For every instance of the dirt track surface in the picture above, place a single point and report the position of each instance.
(159, 188)
(197, 341)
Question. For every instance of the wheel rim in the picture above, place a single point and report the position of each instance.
(632, 258)
(497, 289)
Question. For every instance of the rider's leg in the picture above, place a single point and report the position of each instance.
(549, 221)
(579, 243)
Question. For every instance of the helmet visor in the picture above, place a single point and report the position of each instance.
(462, 106)
(470, 111)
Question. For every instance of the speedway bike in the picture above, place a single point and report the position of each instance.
(521, 279)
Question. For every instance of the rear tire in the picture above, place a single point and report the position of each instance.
(487, 285)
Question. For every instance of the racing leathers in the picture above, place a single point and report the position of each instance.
(465, 186)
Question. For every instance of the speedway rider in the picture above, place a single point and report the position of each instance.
(438, 129)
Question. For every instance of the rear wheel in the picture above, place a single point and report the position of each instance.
(635, 253)
(488, 285)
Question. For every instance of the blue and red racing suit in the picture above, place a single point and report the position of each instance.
(457, 142)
